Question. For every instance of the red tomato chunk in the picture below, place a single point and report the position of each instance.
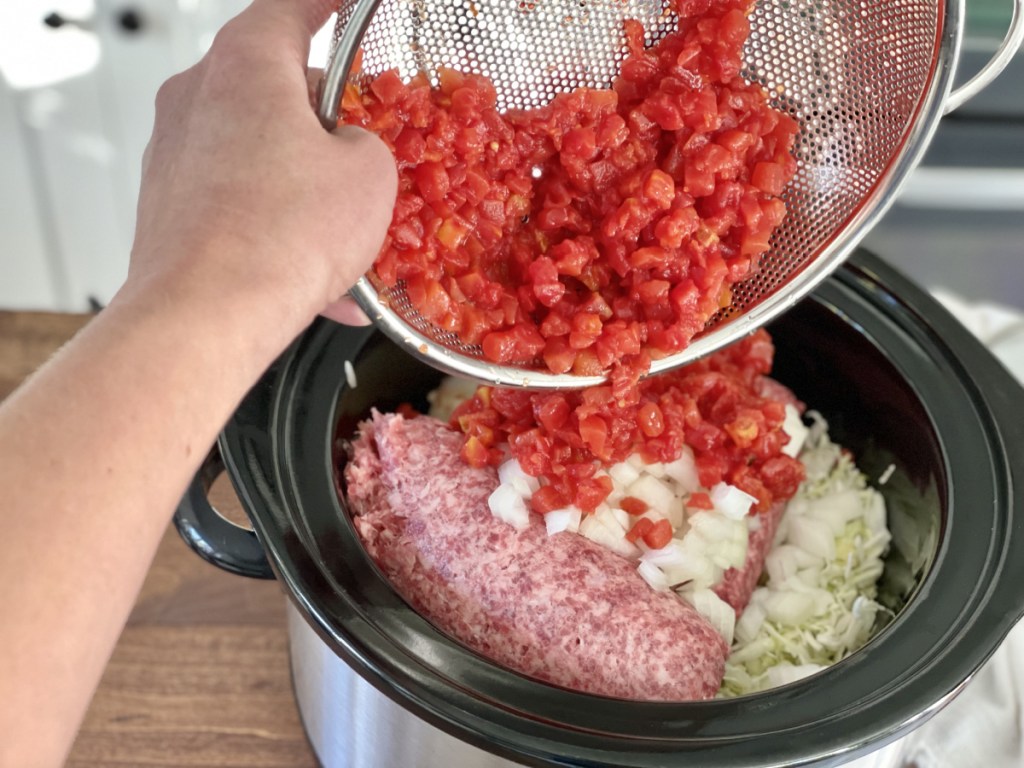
(719, 406)
(599, 231)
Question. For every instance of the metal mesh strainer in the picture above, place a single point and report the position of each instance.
(866, 80)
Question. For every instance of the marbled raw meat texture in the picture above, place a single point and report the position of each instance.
(561, 609)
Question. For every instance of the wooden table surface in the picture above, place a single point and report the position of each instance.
(200, 675)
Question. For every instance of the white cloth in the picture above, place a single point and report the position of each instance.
(984, 725)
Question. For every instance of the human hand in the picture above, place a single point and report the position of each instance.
(244, 190)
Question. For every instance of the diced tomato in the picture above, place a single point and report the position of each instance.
(650, 419)
(546, 499)
(699, 500)
(633, 506)
(591, 492)
(640, 527)
(769, 178)
(659, 535)
(595, 233)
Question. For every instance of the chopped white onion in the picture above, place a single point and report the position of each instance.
(506, 504)
(565, 519)
(718, 613)
(510, 472)
(637, 461)
(595, 530)
(836, 509)
(655, 493)
(785, 560)
(624, 474)
(749, 623)
(655, 468)
(731, 501)
(622, 517)
(610, 521)
(684, 471)
(794, 426)
(716, 529)
(788, 607)
(653, 575)
(671, 555)
(813, 536)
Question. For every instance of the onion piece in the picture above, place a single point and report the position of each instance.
(653, 575)
(684, 471)
(506, 504)
(624, 474)
(511, 473)
(793, 425)
(813, 536)
(654, 492)
(595, 530)
(788, 607)
(837, 509)
(565, 519)
(718, 613)
(730, 501)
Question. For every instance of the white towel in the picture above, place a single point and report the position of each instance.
(984, 725)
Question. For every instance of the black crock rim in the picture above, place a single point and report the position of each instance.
(962, 611)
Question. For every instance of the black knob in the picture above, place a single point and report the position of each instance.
(130, 20)
(55, 21)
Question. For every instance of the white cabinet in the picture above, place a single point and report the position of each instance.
(76, 110)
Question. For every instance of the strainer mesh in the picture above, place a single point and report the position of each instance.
(852, 73)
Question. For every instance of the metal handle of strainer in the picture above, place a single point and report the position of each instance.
(1000, 59)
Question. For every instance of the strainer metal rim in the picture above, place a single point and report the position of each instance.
(930, 109)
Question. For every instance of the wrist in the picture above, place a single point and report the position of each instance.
(239, 320)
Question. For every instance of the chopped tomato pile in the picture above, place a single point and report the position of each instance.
(723, 407)
(601, 230)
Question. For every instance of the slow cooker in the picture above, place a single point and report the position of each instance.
(903, 385)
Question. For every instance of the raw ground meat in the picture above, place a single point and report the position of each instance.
(561, 609)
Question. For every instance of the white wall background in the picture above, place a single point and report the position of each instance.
(76, 111)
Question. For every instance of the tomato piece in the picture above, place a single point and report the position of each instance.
(633, 506)
(591, 492)
(546, 499)
(650, 419)
(659, 535)
(770, 178)
(640, 527)
(699, 500)
(594, 431)
(432, 181)
(551, 411)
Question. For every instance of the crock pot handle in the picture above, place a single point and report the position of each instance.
(1000, 59)
(212, 536)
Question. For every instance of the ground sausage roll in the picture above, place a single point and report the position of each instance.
(561, 608)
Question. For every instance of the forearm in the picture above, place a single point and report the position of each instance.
(93, 457)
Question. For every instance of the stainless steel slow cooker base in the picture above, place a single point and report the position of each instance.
(350, 724)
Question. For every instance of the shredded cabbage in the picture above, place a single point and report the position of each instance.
(814, 609)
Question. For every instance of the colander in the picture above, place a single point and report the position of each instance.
(867, 81)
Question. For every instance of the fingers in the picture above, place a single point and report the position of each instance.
(293, 21)
(346, 311)
(371, 186)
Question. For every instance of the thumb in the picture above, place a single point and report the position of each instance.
(368, 195)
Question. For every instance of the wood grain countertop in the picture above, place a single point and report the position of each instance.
(200, 675)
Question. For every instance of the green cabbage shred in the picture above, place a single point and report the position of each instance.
(844, 589)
